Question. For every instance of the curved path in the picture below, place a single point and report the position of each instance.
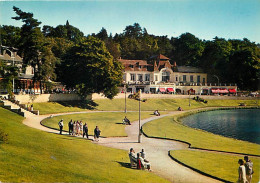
(156, 149)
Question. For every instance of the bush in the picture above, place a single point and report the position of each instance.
(3, 137)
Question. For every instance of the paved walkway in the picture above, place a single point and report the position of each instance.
(156, 149)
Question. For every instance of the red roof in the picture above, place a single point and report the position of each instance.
(162, 90)
(232, 90)
(162, 57)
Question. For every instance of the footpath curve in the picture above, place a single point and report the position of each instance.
(156, 149)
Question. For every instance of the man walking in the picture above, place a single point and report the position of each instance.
(249, 169)
(61, 126)
(85, 130)
(70, 127)
(96, 133)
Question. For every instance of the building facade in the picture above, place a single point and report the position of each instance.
(158, 75)
(24, 83)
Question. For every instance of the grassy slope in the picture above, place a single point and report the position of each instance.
(167, 127)
(219, 165)
(110, 124)
(132, 105)
(35, 156)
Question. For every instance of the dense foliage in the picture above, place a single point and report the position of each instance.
(233, 61)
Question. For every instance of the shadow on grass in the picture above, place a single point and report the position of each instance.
(124, 164)
(83, 104)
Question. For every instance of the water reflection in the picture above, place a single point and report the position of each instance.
(241, 124)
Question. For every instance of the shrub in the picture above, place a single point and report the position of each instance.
(3, 137)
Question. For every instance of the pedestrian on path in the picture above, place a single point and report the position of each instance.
(85, 130)
(70, 127)
(61, 125)
(96, 133)
(241, 172)
(249, 169)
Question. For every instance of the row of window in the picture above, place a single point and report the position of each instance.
(165, 77)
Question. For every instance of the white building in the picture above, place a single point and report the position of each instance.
(157, 75)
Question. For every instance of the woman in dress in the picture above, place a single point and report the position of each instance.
(241, 172)
(74, 128)
(81, 128)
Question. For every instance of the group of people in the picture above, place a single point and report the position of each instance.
(77, 128)
(139, 159)
(180, 109)
(126, 121)
(156, 113)
(245, 170)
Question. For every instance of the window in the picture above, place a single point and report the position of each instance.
(147, 77)
(176, 78)
(184, 78)
(191, 78)
(140, 66)
(204, 81)
(132, 77)
(140, 77)
(156, 77)
(198, 79)
(165, 76)
(131, 66)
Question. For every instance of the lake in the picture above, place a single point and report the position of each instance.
(242, 124)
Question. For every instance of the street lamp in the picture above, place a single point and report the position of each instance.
(139, 128)
(125, 98)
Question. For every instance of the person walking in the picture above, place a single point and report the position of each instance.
(70, 127)
(249, 169)
(85, 130)
(74, 128)
(81, 127)
(77, 128)
(241, 172)
(96, 133)
(61, 125)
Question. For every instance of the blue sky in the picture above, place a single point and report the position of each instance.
(230, 19)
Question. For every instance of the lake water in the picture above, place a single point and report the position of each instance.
(242, 124)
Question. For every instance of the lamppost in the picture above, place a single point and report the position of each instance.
(218, 82)
(125, 98)
(139, 128)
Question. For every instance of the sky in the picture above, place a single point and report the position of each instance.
(206, 19)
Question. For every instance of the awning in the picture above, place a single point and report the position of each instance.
(219, 90)
(162, 89)
(170, 89)
(232, 90)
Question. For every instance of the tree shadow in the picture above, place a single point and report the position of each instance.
(124, 164)
(83, 104)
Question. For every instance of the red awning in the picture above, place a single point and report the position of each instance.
(162, 89)
(170, 89)
(232, 90)
(219, 90)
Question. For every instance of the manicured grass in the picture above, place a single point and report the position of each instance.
(169, 128)
(132, 105)
(110, 123)
(220, 165)
(35, 156)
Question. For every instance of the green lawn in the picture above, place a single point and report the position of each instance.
(132, 105)
(110, 123)
(220, 165)
(35, 156)
(169, 128)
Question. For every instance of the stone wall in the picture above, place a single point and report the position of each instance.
(46, 98)
(24, 99)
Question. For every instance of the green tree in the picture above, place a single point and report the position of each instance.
(8, 73)
(188, 50)
(10, 35)
(90, 68)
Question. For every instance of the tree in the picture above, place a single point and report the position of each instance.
(90, 68)
(10, 35)
(8, 73)
(188, 50)
(102, 34)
